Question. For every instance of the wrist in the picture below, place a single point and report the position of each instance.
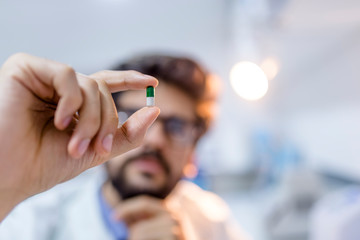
(8, 200)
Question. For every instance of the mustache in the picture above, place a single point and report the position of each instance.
(153, 154)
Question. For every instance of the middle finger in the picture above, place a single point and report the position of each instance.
(89, 117)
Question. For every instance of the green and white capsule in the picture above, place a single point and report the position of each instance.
(150, 96)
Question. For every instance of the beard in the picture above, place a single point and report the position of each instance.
(127, 190)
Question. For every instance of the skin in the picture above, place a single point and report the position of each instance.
(148, 217)
(56, 123)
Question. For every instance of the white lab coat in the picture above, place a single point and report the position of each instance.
(336, 216)
(76, 215)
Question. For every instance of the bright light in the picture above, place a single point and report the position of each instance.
(270, 67)
(248, 80)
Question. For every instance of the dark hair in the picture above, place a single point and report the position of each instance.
(182, 72)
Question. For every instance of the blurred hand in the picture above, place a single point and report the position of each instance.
(55, 123)
(147, 218)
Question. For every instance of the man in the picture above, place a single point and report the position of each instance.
(143, 196)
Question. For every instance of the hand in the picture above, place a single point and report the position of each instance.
(148, 218)
(55, 123)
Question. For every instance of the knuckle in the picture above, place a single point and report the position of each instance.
(92, 85)
(66, 70)
(102, 86)
(100, 74)
(13, 69)
(11, 72)
(132, 72)
(17, 56)
(100, 82)
(14, 60)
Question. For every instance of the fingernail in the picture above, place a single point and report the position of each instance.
(148, 76)
(67, 121)
(84, 144)
(107, 142)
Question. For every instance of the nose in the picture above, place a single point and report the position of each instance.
(155, 136)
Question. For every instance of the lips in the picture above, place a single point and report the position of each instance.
(148, 165)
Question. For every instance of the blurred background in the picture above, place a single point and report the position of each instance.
(284, 149)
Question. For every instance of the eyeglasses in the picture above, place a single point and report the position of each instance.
(175, 128)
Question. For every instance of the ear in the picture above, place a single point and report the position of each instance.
(191, 170)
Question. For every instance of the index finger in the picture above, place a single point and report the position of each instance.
(139, 208)
(125, 80)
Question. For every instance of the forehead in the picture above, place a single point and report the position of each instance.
(171, 101)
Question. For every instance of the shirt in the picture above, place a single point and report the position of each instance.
(117, 228)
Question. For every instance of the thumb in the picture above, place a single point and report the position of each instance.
(132, 132)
